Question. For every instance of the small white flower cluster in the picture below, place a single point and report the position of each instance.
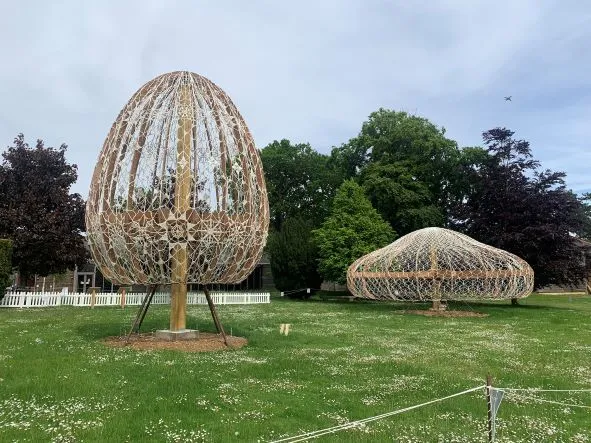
(254, 415)
(173, 433)
(60, 420)
(204, 403)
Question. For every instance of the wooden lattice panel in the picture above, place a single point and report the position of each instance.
(439, 264)
(178, 192)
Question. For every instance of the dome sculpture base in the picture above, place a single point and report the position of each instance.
(438, 305)
(446, 314)
(182, 334)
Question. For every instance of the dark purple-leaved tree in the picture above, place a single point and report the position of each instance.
(515, 206)
(37, 211)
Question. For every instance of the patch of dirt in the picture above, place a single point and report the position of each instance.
(446, 313)
(204, 343)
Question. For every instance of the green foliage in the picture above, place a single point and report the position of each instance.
(37, 212)
(403, 201)
(293, 255)
(417, 177)
(299, 182)
(407, 166)
(516, 207)
(349, 159)
(354, 228)
(471, 161)
(5, 264)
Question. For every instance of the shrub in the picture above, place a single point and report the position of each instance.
(5, 264)
(294, 257)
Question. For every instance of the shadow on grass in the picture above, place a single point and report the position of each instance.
(370, 305)
(98, 331)
(509, 307)
(389, 306)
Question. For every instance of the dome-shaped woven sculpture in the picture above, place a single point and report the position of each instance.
(435, 264)
(178, 193)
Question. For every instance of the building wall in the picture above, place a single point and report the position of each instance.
(51, 283)
(267, 277)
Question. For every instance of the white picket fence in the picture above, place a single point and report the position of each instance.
(48, 299)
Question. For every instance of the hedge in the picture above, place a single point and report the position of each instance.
(5, 264)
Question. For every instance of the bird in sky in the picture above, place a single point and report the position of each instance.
(508, 98)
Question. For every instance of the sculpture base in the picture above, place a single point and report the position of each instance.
(183, 334)
(438, 305)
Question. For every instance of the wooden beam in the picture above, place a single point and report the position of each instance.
(182, 204)
(433, 274)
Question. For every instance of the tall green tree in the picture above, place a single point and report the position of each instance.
(299, 182)
(472, 159)
(349, 159)
(37, 212)
(403, 201)
(294, 256)
(354, 228)
(517, 207)
(407, 165)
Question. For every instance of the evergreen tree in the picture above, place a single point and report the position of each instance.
(354, 228)
(294, 257)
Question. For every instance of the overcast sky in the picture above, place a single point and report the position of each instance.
(309, 71)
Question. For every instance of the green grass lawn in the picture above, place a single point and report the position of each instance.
(342, 361)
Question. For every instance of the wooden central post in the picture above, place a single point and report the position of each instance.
(437, 280)
(182, 203)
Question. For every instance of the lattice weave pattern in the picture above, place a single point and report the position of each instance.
(178, 193)
(439, 264)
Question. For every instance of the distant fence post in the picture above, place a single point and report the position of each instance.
(489, 407)
(92, 297)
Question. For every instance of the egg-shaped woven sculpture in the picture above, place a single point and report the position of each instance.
(178, 193)
(436, 264)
